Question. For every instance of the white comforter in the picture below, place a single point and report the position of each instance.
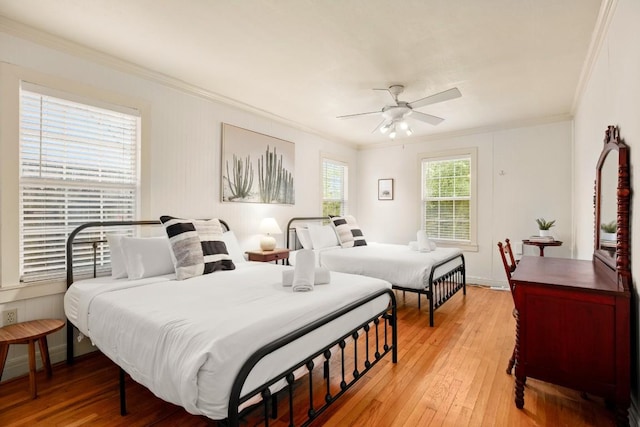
(186, 340)
(397, 264)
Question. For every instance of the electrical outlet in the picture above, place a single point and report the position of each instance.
(10, 317)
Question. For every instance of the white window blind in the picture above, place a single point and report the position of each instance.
(334, 187)
(78, 163)
(446, 198)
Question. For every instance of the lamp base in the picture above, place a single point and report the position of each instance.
(267, 243)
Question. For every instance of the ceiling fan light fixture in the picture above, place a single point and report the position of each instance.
(396, 113)
(392, 134)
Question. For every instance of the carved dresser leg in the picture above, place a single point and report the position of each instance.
(622, 415)
(519, 393)
(520, 379)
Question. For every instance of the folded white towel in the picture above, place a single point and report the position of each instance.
(423, 241)
(304, 271)
(322, 276)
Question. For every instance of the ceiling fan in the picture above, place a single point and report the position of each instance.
(395, 114)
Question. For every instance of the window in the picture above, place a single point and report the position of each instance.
(335, 176)
(448, 196)
(78, 163)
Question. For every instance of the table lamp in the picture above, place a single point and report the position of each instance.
(268, 226)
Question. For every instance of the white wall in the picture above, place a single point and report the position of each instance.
(523, 173)
(181, 162)
(611, 97)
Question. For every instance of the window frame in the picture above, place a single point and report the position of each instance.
(453, 154)
(88, 162)
(11, 78)
(345, 182)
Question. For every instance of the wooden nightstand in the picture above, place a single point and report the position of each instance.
(268, 256)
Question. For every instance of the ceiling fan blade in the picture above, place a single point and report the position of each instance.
(351, 116)
(438, 97)
(389, 92)
(427, 118)
(379, 126)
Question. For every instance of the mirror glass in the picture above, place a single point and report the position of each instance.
(608, 205)
(612, 202)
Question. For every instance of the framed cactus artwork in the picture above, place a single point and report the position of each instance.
(256, 168)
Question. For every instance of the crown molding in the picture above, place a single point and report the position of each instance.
(54, 42)
(607, 9)
(58, 43)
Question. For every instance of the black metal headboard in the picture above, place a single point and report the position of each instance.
(70, 242)
(103, 224)
(291, 229)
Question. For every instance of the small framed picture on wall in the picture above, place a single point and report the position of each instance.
(385, 189)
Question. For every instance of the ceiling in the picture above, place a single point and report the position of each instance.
(308, 61)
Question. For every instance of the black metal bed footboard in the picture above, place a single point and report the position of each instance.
(380, 338)
(445, 285)
(442, 283)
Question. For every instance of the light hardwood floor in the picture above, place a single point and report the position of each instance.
(452, 374)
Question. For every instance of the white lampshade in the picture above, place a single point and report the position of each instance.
(268, 226)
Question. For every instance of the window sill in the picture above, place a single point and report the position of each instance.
(30, 291)
(465, 247)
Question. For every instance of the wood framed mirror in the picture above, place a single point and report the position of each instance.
(612, 200)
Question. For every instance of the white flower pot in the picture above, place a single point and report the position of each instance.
(607, 236)
(544, 233)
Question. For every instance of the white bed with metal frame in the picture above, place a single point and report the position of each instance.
(218, 342)
(437, 274)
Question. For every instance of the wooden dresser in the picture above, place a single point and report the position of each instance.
(573, 329)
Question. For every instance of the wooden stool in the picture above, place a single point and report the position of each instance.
(28, 333)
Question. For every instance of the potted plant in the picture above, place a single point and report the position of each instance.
(608, 230)
(544, 226)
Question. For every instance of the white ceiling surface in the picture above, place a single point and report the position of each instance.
(308, 61)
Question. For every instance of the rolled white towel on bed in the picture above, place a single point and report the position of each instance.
(423, 241)
(322, 276)
(420, 245)
(304, 271)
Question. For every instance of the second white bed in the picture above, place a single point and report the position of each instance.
(398, 264)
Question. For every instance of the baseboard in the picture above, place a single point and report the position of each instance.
(481, 281)
(634, 414)
(19, 365)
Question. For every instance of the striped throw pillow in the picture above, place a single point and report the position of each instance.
(197, 246)
(348, 231)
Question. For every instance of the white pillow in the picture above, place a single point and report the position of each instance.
(147, 257)
(118, 267)
(233, 247)
(304, 237)
(322, 236)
